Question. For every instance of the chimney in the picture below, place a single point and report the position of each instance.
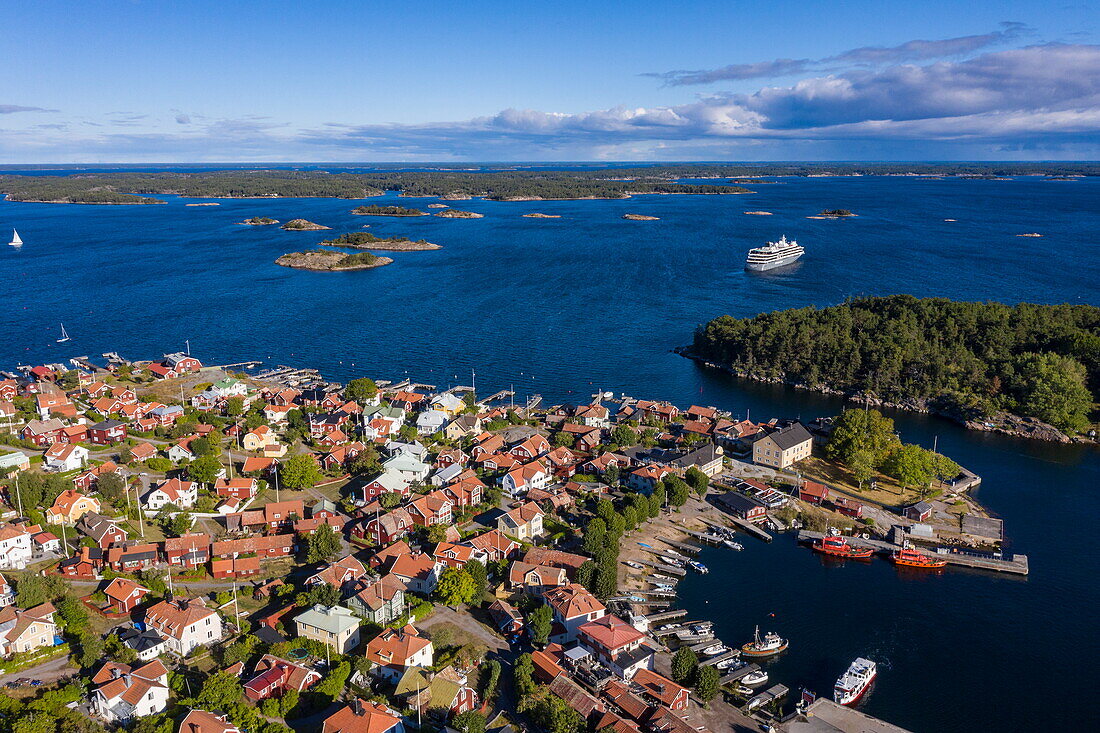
(357, 706)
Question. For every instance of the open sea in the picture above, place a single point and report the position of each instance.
(565, 307)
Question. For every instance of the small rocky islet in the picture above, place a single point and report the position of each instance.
(329, 260)
(302, 225)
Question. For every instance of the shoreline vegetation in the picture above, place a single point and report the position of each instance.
(259, 221)
(302, 225)
(1021, 370)
(834, 214)
(87, 186)
(456, 214)
(537, 215)
(376, 210)
(366, 240)
(327, 260)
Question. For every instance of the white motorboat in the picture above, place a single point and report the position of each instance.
(733, 545)
(854, 682)
(754, 678)
(715, 649)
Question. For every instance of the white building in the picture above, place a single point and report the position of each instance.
(124, 693)
(185, 624)
(181, 494)
(63, 457)
(16, 547)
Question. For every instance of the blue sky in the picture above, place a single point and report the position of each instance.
(196, 81)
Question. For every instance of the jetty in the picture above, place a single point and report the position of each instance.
(773, 693)
(720, 658)
(666, 616)
(663, 568)
(746, 527)
(737, 674)
(683, 546)
(497, 396)
(1015, 564)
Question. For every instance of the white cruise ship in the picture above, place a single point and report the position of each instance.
(853, 683)
(775, 254)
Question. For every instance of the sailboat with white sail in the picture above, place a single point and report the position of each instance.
(64, 335)
(15, 240)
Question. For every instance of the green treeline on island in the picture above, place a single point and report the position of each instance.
(326, 259)
(134, 188)
(969, 360)
(358, 239)
(376, 210)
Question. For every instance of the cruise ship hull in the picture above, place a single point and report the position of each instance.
(765, 266)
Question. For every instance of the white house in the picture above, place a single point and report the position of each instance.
(63, 457)
(521, 479)
(185, 624)
(181, 494)
(395, 650)
(431, 421)
(16, 547)
(408, 466)
(123, 693)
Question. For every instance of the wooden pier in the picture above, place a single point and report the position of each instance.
(737, 674)
(666, 616)
(664, 568)
(746, 527)
(684, 546)
(721, 658)
(1017, 564)
(497, 396)
(703, 644)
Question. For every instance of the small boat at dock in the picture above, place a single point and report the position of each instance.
(698, 567)
(754, 678)
(635, 565)
(715, 650)
(733, 545)
(909, 557)
(767, 645)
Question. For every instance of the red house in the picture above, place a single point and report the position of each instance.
(237, 488)
(188, 551)
(124, 594)
(385, 528)
(849, 507)
(274, 677)
(813, 492)
(130, 557)
(107, 432)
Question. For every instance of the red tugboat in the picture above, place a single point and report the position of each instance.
(911, 558)
(835, 545)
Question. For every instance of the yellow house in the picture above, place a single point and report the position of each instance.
(783, 447)
(258, 439)
(70, 506)
(25, 631)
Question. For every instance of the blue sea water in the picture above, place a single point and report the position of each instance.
(565, 307)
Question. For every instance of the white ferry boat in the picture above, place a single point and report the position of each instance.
(773, 255)
(854, 682)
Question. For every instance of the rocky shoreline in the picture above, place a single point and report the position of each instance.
(1003, 423)
(456, 214)
(541, 216)
(323, 260)
(640, 217)
(302, 225)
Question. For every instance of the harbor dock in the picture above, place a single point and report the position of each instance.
(1016, 564)
(737, 674)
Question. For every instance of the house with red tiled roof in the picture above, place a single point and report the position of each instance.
(24, 631)
(180, 494)
(661, 690)
(418, 571)
(454, 555)
(237, 488)
(430, 509)
(495, 544)
(534, 579)
(573, 606)
(143, 452)
(63, 457)
(69, 506)
(378, 601)
(123, 693)
(124, 594)
(363, 717)
(274, 677)
(188, 551)
(395, 650)
(523, 522)
(385, 528)
(341, 574)
(185, 624)
(617, 645)
(201, 721)
(645, 479)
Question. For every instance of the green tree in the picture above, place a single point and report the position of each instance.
(605, 581)
(111, 487)
(34, 590)
(657, 500)
(605, 510)
(612, 474)
(594, 533)
(556, 716)
(1054, 389)
(624, 436)
(707, 682)
(390, 500)
(586, 573)
(455, 587)
(862, 465)
(361, 390)
(333, 683)
(856, 430)
(523, 676)
(322, 544)
(91, 649)
(911, 465)
(684, 664)
(539, 622)
(437, 533)
(697, 480)
(299, 472)
(204, 469)
(234, 406)
(470, 721)
(563, 439)
(477, 570)
(219, 691)
(323, 594)
(630, 518)
(678, 490)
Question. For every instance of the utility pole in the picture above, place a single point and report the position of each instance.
(276, 484)
(18, 494)
(64, 540)
(236, 610)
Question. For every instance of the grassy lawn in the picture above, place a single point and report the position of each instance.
(888, 491)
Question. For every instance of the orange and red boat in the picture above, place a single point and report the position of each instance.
(911, 558)
(835, 545)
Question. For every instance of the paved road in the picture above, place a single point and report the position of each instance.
(49, 671)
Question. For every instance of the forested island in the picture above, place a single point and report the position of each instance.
(366, 240)
(985, 364)
(456, 214)
(375, 210)
(260, 221)
(327, 260)
(302, 225)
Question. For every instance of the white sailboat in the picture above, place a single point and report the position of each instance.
(64, 335)
(15, 240)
